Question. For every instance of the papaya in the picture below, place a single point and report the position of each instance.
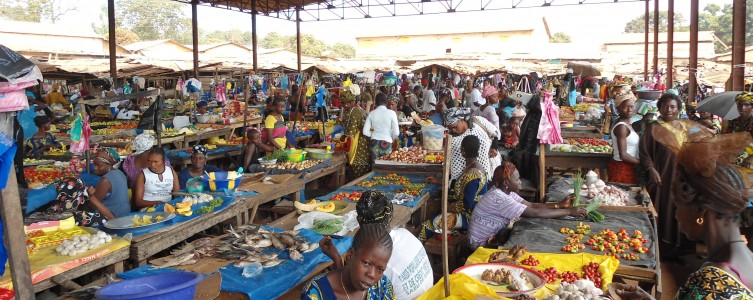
(169, 208)
(182, 205)
(312, 201)
(330, 207)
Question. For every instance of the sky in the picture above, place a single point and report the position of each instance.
(584, 23)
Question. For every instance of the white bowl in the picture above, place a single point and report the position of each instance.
(203, 118)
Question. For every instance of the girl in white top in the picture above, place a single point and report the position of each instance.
(156, 183)
(625, 142)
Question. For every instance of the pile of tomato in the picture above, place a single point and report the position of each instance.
(44, 176)
(575, 238)
(384, 180)
(591, 272)
(342, 196)
(589, 142)
(551, 274)
(530, 261)
(569, 276)
(413, 189)
(614, 244)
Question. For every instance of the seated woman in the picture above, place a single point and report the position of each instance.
(501, 205)
(197, 167)
(112, 188)
(255, 149)
(156, 183)
(467, 189)
(138, 161)
(409, 272)
(362, 277)
(72, 197)
(42, 140)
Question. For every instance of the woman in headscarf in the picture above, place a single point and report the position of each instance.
(55, 96)
(112, 188)
(485, 108)
(358, 154)
(467, 190)
(41, 141)
(623, 166)
(73, 198)
(136, 162)
(274, 126)
(709, 193)
(460, 124)
(659, 162)
(743, 123)
(197, 167)
(501, 205)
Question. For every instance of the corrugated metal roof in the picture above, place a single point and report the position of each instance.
(46, 29)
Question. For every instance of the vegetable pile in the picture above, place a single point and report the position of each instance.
(582, 289)
(328, 227)
(414, 155)
(342, 196)
(613, 244)
(212, 205)
(385, 180)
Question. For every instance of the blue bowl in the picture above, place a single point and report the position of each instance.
(173, 285)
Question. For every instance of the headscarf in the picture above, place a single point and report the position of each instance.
(622, 97)
(424, 81)
(347, 96)
(455, 114)
(374, 207)
(446, 92)
(392, 99)
(200, 149)
(108, 155)
(489, 90)
(202, 104)
(744, 97)
(477, 84)
(142, 143)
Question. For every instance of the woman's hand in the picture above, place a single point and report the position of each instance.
(433, 180)
(631, 292)
(91, 191)
(329, 248)
(567, 202)
(654, 177)
(578, 212)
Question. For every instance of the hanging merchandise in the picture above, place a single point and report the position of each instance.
(3, 251)
(219, 91)
(522, 93)
(7, 153)
(13, 96)
(26, 119)
(127, 88)
(193, 85)
(549, 125)
(140, 82)
(347, 82)
(180, 85)
(310, 89)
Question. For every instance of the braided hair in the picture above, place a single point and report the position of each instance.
(471, 145)
(724, 192)
(503, 173)
(374, 208)
(372, 233)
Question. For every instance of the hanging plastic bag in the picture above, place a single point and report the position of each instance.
(310, 91)
(347, 82)
(549, 125)
(76, 129)
(7, 153)
(26, 119)
(462, 287)
(82, 144)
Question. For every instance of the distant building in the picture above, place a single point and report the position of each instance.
(161, 49)
(226, 50)
(632, 44)
(50, 41)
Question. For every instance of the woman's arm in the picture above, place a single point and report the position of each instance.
(621, 132)
(176, 183)
(646, 153)
(547, 213)
(95, 198)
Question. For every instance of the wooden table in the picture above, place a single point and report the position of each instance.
(579, 161)
(223, 133)
(112, 261)
(339, 160)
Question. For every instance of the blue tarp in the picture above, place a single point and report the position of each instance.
(185, 154)
(37, 198)
(273, 281)
(388, 189)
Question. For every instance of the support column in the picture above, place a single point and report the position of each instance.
(195, 37)
(738, 45)
(693, 63)
(253, 35)
(645, 46)
(298, 35)
(111, 40)
(670, 42)
(656, 38)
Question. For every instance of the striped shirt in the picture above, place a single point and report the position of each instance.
(492, 213)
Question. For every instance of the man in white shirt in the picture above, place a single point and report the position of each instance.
(381, 127)
(429, 99)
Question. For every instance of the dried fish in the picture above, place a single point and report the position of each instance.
(183, 259)
(295, 255)
(271, 263)
(263, 243)
(307, 247)
(276, 242)
(287, 240)
(190, 247)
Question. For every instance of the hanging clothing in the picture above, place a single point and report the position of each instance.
(549, 126)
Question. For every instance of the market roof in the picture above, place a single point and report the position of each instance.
(639, 38)
(138, 46)
(46, 29)
(455, 30)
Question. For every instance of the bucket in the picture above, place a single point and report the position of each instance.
(433, 137)
(174, 285)
(217, 181)
(295, 155)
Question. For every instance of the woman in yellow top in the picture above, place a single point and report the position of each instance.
(55, 96)
(274, 125)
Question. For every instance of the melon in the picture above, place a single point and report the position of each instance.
(329, 207)
(169, 208)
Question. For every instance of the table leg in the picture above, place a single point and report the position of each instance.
(251, 218)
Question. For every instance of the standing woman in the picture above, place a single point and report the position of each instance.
(486, 109)
(112, 188)
(460, 124)
(659, 162)
(42, 140)
(274, 125)
(358, 154)
(625, 140)
(296, 103)
(156, 183)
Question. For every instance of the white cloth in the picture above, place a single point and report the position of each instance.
(490, 114)
(632, 140)
(410, 271)
(124, 114)
(158, 190)
(429, 101)
(479, 129)
(381, 125)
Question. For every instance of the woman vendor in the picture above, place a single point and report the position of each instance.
(42, 141)
(274, 125)
(502, 204)
(484, 105)
(622, 167)
(255, 149)
(134, 163)
(362, 277)
(112, 188)
(710, 194)
(467, 190)
(72, 197)
(358, 154)
(460, 124)
(409, 272)
(156, 183)
(659, 161)
(197, 167)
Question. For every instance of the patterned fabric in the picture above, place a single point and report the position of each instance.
(142, 143)
(34, 145)
(744, 97)
(453, 115)
(622, 172)
(484, 131)
(200, 149)
(72, 198)
(358, 154)
(380, 148)
(278, 130)
(467, 192)
(713, 283)
(738, 125)
(319, 288)
(494, 211)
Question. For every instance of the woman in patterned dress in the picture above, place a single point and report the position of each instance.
(358, 154)
(72, 197)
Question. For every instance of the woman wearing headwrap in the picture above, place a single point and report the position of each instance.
(72, 197)
(511, 131)
(460, 124)
(55, 96)
(709, 193)
(41, 141)
(197, 167)
(501, 205)
(358, 154)
(274, 125)
(625, 140)
(466, 190)
(112, 188)
(484, 105)
(743, 123)
(136, 162)
(410, 272)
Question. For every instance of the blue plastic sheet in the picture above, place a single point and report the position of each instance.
(184, 154)
(177, 219)
(273, 281)
(3, 252)
(36, 198)
(389, 189)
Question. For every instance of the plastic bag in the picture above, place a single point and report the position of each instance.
(549, 125)
(461, 287)
(310, 91)
(26, 119)
(349, 220)
(76, 129)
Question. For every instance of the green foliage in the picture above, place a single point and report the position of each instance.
(343, 50)
(154, 20)
(719, 20)
(233, 35)
(637, 25)
(560, 37)
(34, 10)
(310, 45)
(124, 36)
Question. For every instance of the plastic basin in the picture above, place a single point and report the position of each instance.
(220, 182)
(320, 154)
(295, 155)
(648, 94)
(174, 285)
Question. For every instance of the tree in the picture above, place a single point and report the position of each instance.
(637, 25)
(125, 37)
(272, 40)
(560, 37)
(343, 50)
(232, 35)
(34, 10)
(719, 20)
(154, 20)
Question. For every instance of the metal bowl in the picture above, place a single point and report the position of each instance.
(649, 94)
